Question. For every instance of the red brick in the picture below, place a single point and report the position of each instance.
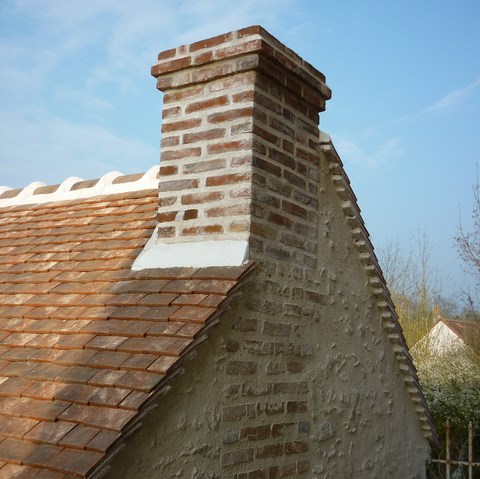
(168, 170)
(211, 42)
(206, 104)
(203, 135)
(170, 66)
(228, 146)
(227, 179)
(181, 125)
(167, 54)
(230, 115)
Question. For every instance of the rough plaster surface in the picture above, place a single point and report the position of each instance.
(297, 380)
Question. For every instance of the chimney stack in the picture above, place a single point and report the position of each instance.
(239, 162)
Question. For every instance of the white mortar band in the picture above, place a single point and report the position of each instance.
(194, 254)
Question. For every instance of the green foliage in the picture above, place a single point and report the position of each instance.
(451, 384)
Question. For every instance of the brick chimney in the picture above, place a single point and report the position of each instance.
(239, 160)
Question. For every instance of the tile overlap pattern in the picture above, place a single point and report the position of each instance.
(84, 341)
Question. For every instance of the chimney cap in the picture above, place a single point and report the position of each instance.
(251, 48)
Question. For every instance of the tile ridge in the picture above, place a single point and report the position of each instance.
(377, 282)
(74, 188)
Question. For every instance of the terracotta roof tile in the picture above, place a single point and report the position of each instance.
(102, 441)
(84, 340)
(49, 432)
(76, 461)
(78, 437)
(16, 427)
(111, 419)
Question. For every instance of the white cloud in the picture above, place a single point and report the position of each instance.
(454, 98)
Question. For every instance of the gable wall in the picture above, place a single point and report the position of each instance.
(298, 380)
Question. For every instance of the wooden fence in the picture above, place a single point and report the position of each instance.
(450, 462)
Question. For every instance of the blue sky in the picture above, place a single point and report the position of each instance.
(77, 99)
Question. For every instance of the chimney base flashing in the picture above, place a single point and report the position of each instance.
(193, 254)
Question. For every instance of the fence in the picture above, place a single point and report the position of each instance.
(449, 462)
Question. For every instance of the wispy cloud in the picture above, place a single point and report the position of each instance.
(70, 70)
(454, 98)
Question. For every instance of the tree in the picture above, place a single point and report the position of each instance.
(468, 245)
(414, 286)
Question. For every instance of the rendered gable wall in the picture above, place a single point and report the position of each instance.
(297, 380)
(301, 378)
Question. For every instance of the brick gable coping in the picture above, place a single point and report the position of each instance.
(378, 285)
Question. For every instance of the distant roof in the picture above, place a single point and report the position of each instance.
(85, 342)
(468, 331)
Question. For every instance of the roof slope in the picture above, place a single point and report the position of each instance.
(85, 341)
(467, 331)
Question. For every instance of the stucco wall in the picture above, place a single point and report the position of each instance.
(298, 380)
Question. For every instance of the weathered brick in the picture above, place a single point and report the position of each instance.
(241, 367)
(255, 433)
(170, 141)
(237, 457)
(296, 447)
(181, 154)
(194, 198)
(270, 450)
(203, 136)
(234, 210)
(202, 166)
(197, 230)
(176, 185)
(169, 112)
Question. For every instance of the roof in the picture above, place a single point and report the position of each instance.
(467, 331)
(85, 342)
